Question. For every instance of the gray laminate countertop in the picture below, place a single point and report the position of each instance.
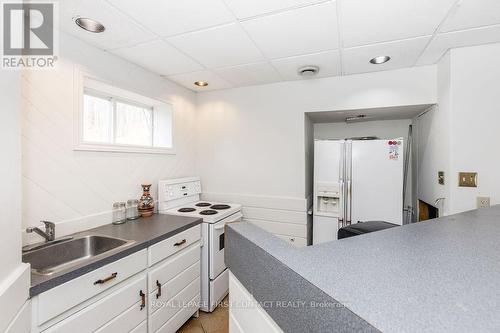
(144, 231)
(441, 275)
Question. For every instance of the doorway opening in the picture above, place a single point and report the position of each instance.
(387, 125)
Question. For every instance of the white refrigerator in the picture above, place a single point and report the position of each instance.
(356, 180)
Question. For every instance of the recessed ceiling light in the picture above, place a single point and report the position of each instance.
(201, 83)
(89, 24)
(380, 60)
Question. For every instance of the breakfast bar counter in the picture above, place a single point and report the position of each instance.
(441, 275)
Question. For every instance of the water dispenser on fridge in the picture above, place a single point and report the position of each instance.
(326, 199)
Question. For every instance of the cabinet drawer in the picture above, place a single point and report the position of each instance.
(173, 287)
(180, 317)
(179, 302)
(62, 298)
(170, 268)
(106, 311)
(166, 248)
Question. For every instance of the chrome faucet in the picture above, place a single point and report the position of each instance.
(50, 231)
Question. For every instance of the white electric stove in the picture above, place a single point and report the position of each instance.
(182, 197)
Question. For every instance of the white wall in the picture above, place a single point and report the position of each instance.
(253, 137)
(461, 133)
(14, 276)
(432, 155)
(10, 172)
(432, 135)
(251, 140)
(474, 126)
(63, 185)
(383, 129)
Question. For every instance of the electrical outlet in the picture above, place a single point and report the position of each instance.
(467, 179)
(483, 202)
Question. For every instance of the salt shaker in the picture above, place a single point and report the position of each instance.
(119, 213)
(132, 209)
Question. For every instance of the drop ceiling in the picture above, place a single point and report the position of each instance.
(232, 43)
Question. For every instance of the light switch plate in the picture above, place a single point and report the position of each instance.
(441, 177)
(467, 179)
(483, 202)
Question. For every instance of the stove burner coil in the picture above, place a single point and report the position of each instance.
(220, 207)
(208, 212)
(186, 210)
(203, 204)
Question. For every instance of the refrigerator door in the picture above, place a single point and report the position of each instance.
(325, 229)
(375, 181)
(327, 156)
(328, 200)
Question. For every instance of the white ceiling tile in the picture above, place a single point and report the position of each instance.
(168, 17)
(159, 57)
(403, 53)
(374, 21)
(117, 34)
(250, 74)
(245, 8)
(218, 47)
(472, 14)
(443, 42)
(295, 32)
(187, 80)
(328, 63)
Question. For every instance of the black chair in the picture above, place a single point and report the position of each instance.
(363, 228)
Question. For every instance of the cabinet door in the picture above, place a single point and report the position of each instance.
(142, 328)
(165, 271)
(186, 302)
(168, 290)
(104, 313)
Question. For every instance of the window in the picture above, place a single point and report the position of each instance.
(112, 119)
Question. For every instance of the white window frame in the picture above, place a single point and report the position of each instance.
(86, 83)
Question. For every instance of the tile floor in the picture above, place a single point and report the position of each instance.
(215, 322)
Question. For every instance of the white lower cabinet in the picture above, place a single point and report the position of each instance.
(245, 313)
(174, 289)
(127, 295)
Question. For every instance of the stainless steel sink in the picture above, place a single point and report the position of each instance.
(57, 257)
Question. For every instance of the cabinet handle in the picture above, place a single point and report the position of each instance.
(143, 299)
(180, 243)
(158, 293)
(109, 278)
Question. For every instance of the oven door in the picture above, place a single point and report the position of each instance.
(217, 242)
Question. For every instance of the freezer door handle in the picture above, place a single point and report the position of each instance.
(342, 205)
(349, 203)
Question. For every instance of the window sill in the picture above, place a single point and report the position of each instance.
(123, 149)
